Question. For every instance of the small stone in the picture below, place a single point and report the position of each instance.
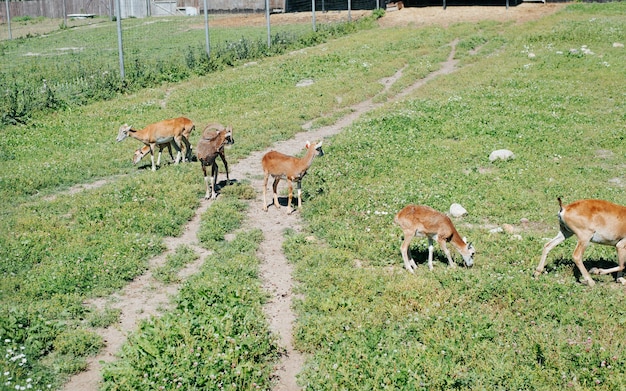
(503, 154)
(456, 210)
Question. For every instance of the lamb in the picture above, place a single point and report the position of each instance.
(211, 145)
(281, 166)
(424, 221)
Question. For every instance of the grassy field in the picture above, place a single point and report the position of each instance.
(552, 91)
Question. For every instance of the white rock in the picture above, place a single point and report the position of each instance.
(618, 45)
(503, 154)
(305, 83)
(456, 210)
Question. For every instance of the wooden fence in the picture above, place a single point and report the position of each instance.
(55, 8)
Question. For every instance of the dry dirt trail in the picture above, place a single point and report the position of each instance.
(145, 296)
(275, 269)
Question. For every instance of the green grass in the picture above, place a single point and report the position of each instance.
(174, 262)
(493, 326)
(366, 323)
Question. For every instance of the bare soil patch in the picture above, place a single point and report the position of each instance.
(411, 16)
(424, 16)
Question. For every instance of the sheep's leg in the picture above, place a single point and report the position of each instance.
(274, 188)
(207, 194)
(444, 247)
(558, 239)
(579, 251)
(225, 167)
(187, 149)
(152, 156)
(621, 259)
(214, 171)
(431, 249)
(169, 149)
(290, 184)
(177, 146)
(299, 188)
(159, 156)
(265, 178)
(409, 264)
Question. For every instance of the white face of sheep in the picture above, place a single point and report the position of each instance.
(123, 133)
(138, 156)
(469, 257)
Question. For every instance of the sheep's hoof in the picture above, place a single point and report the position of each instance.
(589, 283)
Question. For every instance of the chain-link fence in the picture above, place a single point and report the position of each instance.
(51, 64)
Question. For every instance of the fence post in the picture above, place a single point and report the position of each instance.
(349, 10)
(267, 18)
(120, 47)
(313, 14)
(206, 29)
(8, 18)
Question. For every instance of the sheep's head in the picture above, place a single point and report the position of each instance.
(123, 133)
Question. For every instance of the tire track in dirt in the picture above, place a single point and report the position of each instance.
(140, 299)
(276, 271)
(145, 297)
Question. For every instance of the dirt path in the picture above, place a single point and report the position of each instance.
(142, 298)
(275, 269)
(146, 297)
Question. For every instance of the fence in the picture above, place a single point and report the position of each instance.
(59, 8)
(141, 8)
(86, 60)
